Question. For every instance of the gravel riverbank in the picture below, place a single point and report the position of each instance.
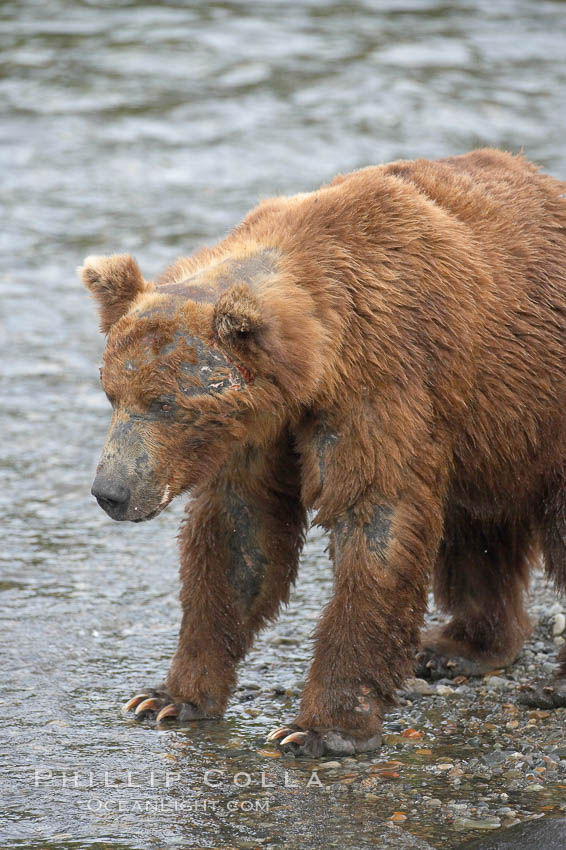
(460, 758)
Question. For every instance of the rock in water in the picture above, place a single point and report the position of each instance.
(545, 834)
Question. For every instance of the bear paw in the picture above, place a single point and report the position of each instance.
(158, 704)
(430, 664)
(312, 743)
(545, 694)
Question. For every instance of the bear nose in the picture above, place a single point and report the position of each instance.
(110, 495)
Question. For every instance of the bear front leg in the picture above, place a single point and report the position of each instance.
(239, 552)
(366, 638)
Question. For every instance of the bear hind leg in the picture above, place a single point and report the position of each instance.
(480, 576)
(551, 692)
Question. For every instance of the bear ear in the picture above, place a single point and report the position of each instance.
(115, 282)
(276, 335)
(238, 320)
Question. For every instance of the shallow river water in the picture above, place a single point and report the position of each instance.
(152, 128)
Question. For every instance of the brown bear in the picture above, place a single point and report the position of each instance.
(390, 352)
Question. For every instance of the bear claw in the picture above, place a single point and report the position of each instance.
(278, 733)
(430, 664)
(134, 701)
(327, 742)
(149, 704)
(157, 704)
(167, 711)
(298, 737)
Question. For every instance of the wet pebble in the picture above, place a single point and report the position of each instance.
(495, 757)
(462, 823)
(496, 683)
(414, 688)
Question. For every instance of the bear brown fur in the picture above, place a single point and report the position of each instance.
(390, 352)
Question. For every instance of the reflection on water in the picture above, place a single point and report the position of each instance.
(152, 128)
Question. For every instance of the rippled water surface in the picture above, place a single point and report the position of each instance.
(152, 128)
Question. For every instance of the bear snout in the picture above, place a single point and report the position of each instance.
(112, 496)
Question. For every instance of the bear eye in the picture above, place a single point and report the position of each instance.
(162, 405)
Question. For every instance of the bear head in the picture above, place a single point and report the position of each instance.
(196, 369)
